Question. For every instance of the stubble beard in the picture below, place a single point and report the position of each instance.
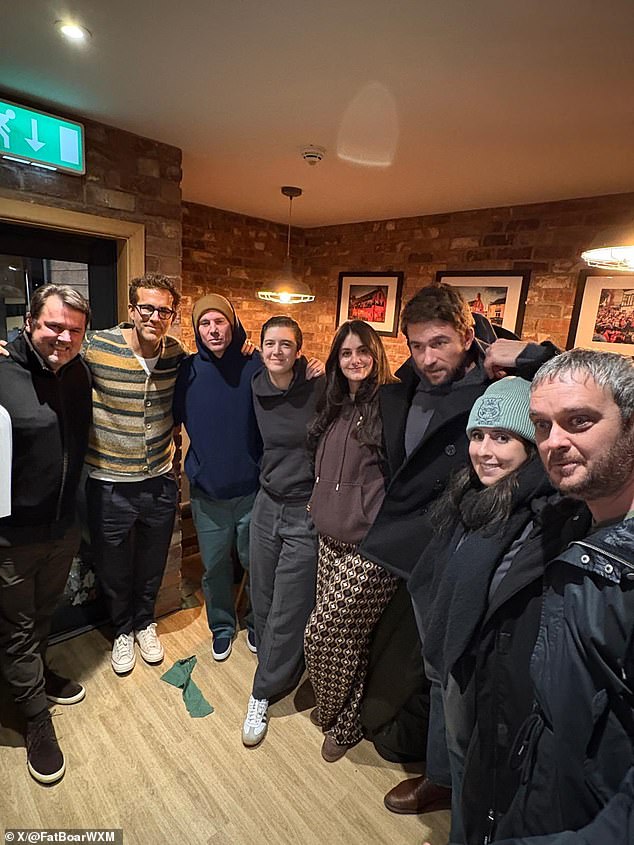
(610, 472)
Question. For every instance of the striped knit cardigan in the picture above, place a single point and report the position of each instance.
(131, 434)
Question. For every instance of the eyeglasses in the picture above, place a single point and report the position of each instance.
(146, 310)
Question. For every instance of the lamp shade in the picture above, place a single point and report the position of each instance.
(286, 289)
(612, 249)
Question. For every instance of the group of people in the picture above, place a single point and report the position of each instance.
(494, 477)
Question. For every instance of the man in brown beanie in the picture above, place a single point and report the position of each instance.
(213, 401)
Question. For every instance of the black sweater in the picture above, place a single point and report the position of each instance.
(286, 470)
(50, 417)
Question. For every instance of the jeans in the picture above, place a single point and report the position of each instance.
(221, 524)
(131, 525)
(283, 572)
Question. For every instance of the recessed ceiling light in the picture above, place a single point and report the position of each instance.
(73, 31)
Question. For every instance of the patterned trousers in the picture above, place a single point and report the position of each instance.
(352, 593)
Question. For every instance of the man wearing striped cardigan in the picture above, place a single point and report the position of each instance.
(131, 491)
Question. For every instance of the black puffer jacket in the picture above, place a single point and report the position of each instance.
(50, 418)
(575, 752)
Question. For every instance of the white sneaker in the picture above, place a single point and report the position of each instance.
(255, 725)
(149, 644)
(123, 655)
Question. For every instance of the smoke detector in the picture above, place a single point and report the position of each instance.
(312, 154)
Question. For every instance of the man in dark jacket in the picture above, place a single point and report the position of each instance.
(213, 400)
(45, 387)
(424, 422)
(576, 751)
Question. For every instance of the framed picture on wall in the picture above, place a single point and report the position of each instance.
(372, 297)
(603, 313)
(499, 296)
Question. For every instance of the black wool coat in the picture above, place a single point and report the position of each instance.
(401, 530)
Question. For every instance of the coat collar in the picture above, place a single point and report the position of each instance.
(608, 552)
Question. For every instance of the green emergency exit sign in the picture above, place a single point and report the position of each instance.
(35, 137)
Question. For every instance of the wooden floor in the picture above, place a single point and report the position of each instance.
(136, 760)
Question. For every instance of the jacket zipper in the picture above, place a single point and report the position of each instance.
(343, 457)
(58, 510)
(603, 552)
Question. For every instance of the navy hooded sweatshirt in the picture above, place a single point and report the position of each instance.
(213, 400)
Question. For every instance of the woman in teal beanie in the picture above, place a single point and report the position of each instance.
(477, 600)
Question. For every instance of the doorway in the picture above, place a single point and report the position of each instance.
(32, 256)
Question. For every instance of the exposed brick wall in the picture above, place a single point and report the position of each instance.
(545, 238)
(231, 253)
(129, 178)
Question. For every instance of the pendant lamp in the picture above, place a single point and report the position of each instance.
(612, 249)
(286, 288)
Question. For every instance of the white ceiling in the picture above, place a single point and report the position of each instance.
(447, 104)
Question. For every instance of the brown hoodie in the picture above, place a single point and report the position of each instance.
(349, 484)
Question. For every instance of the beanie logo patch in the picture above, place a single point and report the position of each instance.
(489, 411)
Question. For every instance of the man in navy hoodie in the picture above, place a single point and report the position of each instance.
(213, 400)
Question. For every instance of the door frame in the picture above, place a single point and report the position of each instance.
(130, 237)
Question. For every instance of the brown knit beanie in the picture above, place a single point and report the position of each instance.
(213, 302)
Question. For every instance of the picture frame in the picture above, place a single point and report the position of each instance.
(500, 296)
(603, 312)
(372, 297)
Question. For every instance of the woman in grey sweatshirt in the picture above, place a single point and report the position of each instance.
(283, 540)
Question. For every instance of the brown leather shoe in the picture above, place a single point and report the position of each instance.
(314, 717)
(417, 795)
(332, 751)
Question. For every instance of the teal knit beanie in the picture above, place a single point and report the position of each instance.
(504, 404)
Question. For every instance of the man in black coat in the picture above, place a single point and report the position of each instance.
(575, 752)
(45, 387)
(424, 427)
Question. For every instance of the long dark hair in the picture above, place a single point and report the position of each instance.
(337, 389)
(470, 502)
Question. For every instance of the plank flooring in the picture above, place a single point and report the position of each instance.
(136, 760)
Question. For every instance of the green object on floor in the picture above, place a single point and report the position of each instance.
(180, 675)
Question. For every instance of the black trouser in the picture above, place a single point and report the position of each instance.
(130, 532)
(32, 580)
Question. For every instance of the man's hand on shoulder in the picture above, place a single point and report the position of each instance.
(501, 357)
(3, 351)
(314, 368)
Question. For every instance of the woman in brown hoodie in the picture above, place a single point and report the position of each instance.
(352, 592)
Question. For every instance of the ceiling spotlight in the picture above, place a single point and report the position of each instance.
(73, 31)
